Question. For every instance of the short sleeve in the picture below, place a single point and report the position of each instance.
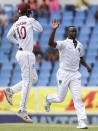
(31, 21)
(60, 45)
(35, 25)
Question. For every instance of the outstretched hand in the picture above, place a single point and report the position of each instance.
(55, 24)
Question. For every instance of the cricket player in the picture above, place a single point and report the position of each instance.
(23, 29)
(68, 76)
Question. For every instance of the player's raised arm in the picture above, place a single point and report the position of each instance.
(37, 26)
(55, 25)
(83, 62)
(10, 36)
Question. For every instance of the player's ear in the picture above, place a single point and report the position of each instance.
(29, 11)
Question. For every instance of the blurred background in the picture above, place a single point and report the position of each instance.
(81, 13)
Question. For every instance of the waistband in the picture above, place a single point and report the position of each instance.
(21, 49)
(67, 70)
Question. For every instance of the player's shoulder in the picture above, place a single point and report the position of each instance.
(31, 19)
(79, 43)
(14, 25)
(66, 40)
(61, 42)
(16, 22)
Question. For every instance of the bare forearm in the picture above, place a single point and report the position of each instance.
(55, 25)
(83, 62)
(51, 39)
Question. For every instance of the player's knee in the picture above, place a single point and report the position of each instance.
(26, 83)
(61, 99)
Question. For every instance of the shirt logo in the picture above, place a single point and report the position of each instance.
(79, 49)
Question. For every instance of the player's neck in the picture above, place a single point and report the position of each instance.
(72, 38)
(74, 41)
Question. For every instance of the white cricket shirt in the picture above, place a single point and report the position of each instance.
(23, 29)
(69, 56)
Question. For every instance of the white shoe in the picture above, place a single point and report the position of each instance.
(24, 116)
(47, 105)
(8, 95)
(82, 125)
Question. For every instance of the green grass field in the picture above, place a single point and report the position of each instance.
(43, 127)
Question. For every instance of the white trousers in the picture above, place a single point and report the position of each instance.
(26, 61)
(71, 80)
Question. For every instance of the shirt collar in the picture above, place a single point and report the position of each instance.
(23, 17)
(69, 40)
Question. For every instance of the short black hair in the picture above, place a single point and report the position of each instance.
(67, 28)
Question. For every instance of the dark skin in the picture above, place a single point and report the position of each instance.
(72, 33)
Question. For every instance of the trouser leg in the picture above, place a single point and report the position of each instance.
(75, 88)
(63, 81)
(27, 83)
(16, 88)
(29, 76)
(59, 97)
